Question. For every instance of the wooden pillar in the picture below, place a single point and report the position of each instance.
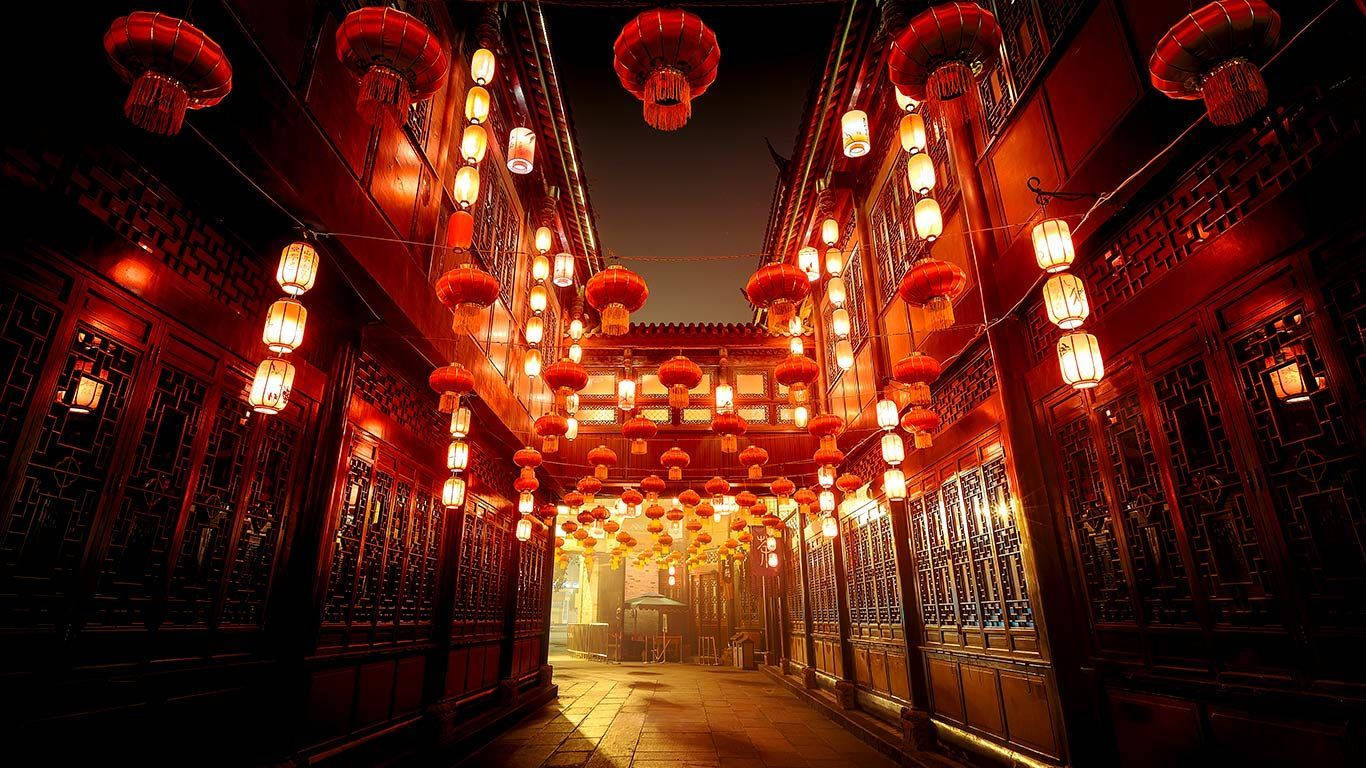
(1060, 623)
(844, 688)
(809, 673)
(438, 660)
(915, 720)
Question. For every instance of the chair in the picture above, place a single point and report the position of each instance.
(706, 651)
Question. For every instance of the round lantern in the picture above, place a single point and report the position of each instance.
(172, 65)
(679, 374)
(521, 150)
(674, 460)
(717, 486)
(564, 377)
(854, 133)
(285, 321)
(632, 499)
(272, 386)
(782, 488)
(933, 285)
(526, 484)
(652, 485)
(589, 485)
(666, 57)
(397, 58)
(797, 373)
(1064, 298)
(1080, 360)
(729, 426)
(601, 458)
(746, 500)
(611, 526)
(689, 498)
(1208, 55)
(804, 497)
(912, 133)
(848, 482)
(942, 49)
(477, 104)
(474, 143)
(467, 291)
(550, 428)
(1053, 245)
(638, 430)
(917, 372)
(573, 499)
(754, 458)
(704, 510)
(482, 65)
(616, 292)
(826, 427)
(777, 287)
(921, 423)
(827, 459)
(654, 512)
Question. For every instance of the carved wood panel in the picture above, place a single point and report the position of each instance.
(257, 543)
(874, 595)
(481, 578)
(820, 570)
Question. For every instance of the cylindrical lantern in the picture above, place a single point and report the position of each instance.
(912, 131)
(571, 403)
(844, 354)
(535, 329)
(460, 422)
(839, 322)
(576, 353)
(272, 385)
(571, 429)
(540, 267)
(795, 345)
(477, 102)
(521, 150)
(458, 456)
(526, 503)
(801, 416)
(920, 173)
(576, 329)
(298, 268)
(929, 222)
(84, 395)
(1080, 360)
(474, 143)
(854, 127)
(564, 270)
(531, 364)
(482, 64)
(725, 398)
(772, 560)
(538, 298)
(834, 291)
(825, 476)
(285, 321)
(888, 414)
(830, 231)
(545, 240)
(626, 394)
(524, 529)
(1064, 297)
(466, 188)
(827, 501)
(1053, 245)
(904, 102)
(834, 261)
(893, 450)
(894, 484)
(830, 527)
(453, 493)
(808, 260)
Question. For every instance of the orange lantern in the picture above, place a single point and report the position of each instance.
(467, 291)
(652, 486)
(675, 459)
(778, 288)
(450, 381)
(564, 377)
(782, 488)
(679, 374)
(638, 430)
(797, 373)
(616, 292)
(917, 372)
(717, 486)
(827, 427)
(729, 426)
(921, 423)
(602, 458)
(550, 428)
(754, 458)
(933, 285)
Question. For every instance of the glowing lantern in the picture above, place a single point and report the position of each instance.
(616, 292)
(467, 291)
(571, 430)
(835, 292)
(933, 285)
(797, 373)
(477, 101)
(666, 57)
(575, 352)
(1064, 297)
(1206, 55)
(894, 484)
(589, 487)
(84, 395)
(904, 102)
(466, 188)
(524, 529)
(652, 485)
(800, 416)
(716, 487)
(482, 64)
(808, 261)
(540, 267)
(460, 423)
(1080, 360)
(673, 580)
(531, 364)
(690, 499)
(796, 346)
(827, 501)
(782, 488)
(1053, 245)
(844, 354)
(772, 559)
(535, 330)
(1291, 381)
(284, 330)
(827, 428)
(921, 423)
(550, 428)
(458, 456)
(545, 240)
(601, 458)
(839, 322)
(830, 231)
(729, 426)
(725, 398)
(830, 526)
(754, 458)
(893, 450)
(626, 394)
(460, 230)
(564, 270)
(834, 261)
(912, 132)
(172, 65)
(298, 268)
(453, 493)
(565, 377)
(854, 129)
(804, 498)
(526, 503)
(929, 222)
(825, 476)
(571, 403)
(679, 374)
(639, 430)
(916, 372)
(920, 173)
(521, 150)
(538, 298)
(272, 385)
(777, 287)
(576, 329)
(474, 143)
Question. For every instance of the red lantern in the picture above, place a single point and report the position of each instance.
(771, 521)
(397, 58)
(805, 497)
(917, 372)
(746, 499)
(611, 526)
(828, 457)
(848, 482)
(755, 458)
(729, 426)
(674, 515)
(704, 538)
(704, 510)
(675, 459)
(717, 486)
(827, 427)
(689, 498)
(679, 374)
(942, 49)
(694, 525)
(601, 513)
(921, 423)
(1208, 55)
(527, 458)
(632, 498)
(616, 292)
(778, 287)
(638, 430)
(526, 484)
(652, 485)
(933, 284)
(450, 381)
(460, 230)
(564, 377)
(467, 291)
(569, 526)
(585, 517)
(782, 488)
(601, 458)
(573, 499)
(666, 57)
(797, 373)
(589, 487)
(654, 511)
(172, 65)
(550, 428)
(665, 540)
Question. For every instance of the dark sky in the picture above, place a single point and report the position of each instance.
(704, 190)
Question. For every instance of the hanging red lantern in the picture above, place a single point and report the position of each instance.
(525, 484)
(729, 426)
(679, 374)
(848, 482)
(828, 457)
(1208, 55)
(654, 511)
(921, 423)
(467, 291)
(942, 49)
(527, 458)
(675, 459)
(564, 377)
(666, 57)
(827, 427)
(772, 521)
(611, 526)
(450, 382)
(601, 458)
(674, 514)
(689, 498)
(797, 373)
(665, 540)
(616, 292)
(693, 526)
(804, 497)
(573, 499)
(586, 517)
(717, 486)
(782, 488)
(778, 288)
(652, 485)
(172, 66)
(934, 285)
(917, 372)
(460, 230)
(704, 509)
(746, 499)
(589, 487)
(632, 498)
(569, 526)
(601, 513)
(704, 538)
(638, 430)
(754, 458)
(397, 58)
(550, 428)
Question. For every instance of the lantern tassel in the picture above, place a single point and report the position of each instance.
(675, 473)
(157, 103)
(615, 320)
(755, 471)
(950, 81)
(939, 312)
(668, 99)
(383, 92)
(678, 396)
(550, 444)
(1233, 92)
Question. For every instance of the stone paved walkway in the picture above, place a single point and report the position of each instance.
(673, 716)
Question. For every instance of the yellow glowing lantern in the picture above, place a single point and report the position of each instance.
(564, 270)
(829, 526)
(466, 189)
(1053, 245)
(272, 385)
(920, 173)
(545, 239)
(531, 364)
(521, 150)
(477, 102)
(1080, 360)
(482, 64)
(1290, 380)
(571, 403)
(893, 450)
(772, 560)
(894, 484)
(298, 268)
(795, 345)
(830, 231)
(85, 395)
(460, 422)
(1064, 297)
(808, 261)
(854, 127)
(571, 430)
(474, 143)
(903, 102)
(524, 529)
(538, 298)
(825, 476)
(576, 329)
(540, 267)
(834, 291)
(844, 354)
(576, 352)
(839, 322)
(929, 223)
(888, 415)
(834, 261)
(453, 493)
(725, 398)
(912, 132)
(800, 416)
(794, 326)
(673, 581)
(458, 456)
(827, 501)
(526, 503)
(626, 394)
(535, 330)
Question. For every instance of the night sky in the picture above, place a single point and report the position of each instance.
(702, 191)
